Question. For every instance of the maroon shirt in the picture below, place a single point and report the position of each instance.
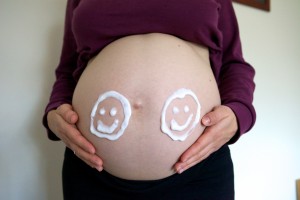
(92, 24)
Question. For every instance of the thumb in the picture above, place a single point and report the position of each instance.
(67, 112)
(213, 117)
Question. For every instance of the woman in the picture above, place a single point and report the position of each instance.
(150, 60)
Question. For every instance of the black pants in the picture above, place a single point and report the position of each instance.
(212, 179)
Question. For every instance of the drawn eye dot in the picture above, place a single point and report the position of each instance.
(102, 111)
(113, 112)
(186, 109)
(175, 110)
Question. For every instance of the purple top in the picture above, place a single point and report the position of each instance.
(92, 24)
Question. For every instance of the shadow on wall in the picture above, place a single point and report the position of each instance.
(50, 153)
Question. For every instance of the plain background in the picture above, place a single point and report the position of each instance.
(267, 159)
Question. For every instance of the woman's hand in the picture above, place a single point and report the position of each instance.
(62, 122)
(221, 126)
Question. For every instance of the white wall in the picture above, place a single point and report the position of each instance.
(267, 160)
(30, 43)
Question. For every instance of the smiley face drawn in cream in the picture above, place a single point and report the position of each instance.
(174, 124)
(174, 129)
(101, 110)
(104, 128)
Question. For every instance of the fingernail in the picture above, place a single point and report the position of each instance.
(99, 168)
(206, 121)
(179, 170)
(92, 151)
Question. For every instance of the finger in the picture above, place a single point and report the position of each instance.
(67, 113)
(92, 160)
(209, 142)
(83, 149)
(75, 138)
(214, 116)
(199, 150)
(195, 152)
(72, 137)
(181, 167)
(89, 158)
(201, 143)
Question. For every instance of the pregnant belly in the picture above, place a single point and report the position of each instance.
(140, 102)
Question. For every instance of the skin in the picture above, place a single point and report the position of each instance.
(221, 126)
(62, 123)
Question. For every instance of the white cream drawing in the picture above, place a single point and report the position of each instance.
(101, 127)
(190, 123)
(103, 130)
(176, 127)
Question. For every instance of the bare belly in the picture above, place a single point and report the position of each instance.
(140, 101)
